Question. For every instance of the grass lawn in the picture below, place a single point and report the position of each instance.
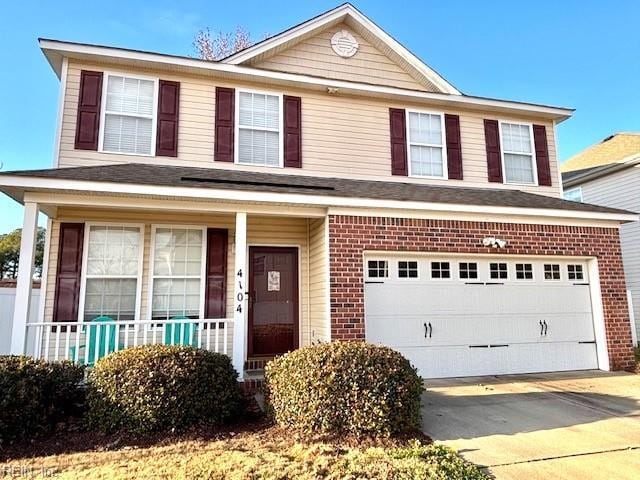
(262, 453)
(637, 352)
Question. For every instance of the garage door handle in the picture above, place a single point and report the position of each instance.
(541, 327)
(427, 330)
(546, 327)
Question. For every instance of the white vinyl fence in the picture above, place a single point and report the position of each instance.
(7, 300)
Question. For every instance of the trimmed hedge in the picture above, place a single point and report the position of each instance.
(35, 395)
(345, 387)
(161, 387)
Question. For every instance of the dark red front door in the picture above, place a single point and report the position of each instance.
(273, 300)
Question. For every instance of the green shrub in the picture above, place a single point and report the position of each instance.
(35, 395)
(344, 387)
(161, 387)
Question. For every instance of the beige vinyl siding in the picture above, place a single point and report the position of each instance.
(319, 317)
(315, 56)
(622, 190)
(272, 231)
(341, 136)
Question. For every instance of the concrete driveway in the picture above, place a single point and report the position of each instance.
(575, 425)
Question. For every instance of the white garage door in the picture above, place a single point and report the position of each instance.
(454, 316)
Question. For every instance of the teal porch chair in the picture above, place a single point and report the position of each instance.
(180, 333)
(100, 341)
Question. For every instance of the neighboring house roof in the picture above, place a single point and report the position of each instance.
(577, 177)
(616, 148)
(360, 23)
(173, 176)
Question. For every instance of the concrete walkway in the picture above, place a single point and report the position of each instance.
(575, 425)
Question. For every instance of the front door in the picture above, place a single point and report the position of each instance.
(273, 300)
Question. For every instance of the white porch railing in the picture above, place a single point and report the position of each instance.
(85, 343)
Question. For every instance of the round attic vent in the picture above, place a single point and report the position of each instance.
(344, 44)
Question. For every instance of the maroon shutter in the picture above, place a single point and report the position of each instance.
(168, 106)
(292, 132)
(454, 146)
(494, 159)
(225, 113)
(67, 296)
(88, 119)
(542, 155)
(215, 296)
(397, 124)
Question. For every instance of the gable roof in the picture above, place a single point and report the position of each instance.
(617, 148)
(329, 189)
(351, 16)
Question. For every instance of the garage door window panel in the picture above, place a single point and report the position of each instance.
(552, 271)
(408, 270)
(575, 272)
(468, 270)
(524, 271)
(377, 269)
(498, 271)
(440, 270)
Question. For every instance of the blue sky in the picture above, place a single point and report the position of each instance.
(580, 54)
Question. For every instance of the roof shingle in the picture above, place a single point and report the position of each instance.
(175, 176)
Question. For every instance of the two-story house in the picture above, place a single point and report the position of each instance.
(322, 184)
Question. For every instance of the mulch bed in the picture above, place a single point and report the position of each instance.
(74, 438)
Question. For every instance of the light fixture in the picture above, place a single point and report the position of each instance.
(493, 242)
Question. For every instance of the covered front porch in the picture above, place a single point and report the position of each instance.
(245, 279)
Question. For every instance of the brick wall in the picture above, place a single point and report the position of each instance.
(349, 236)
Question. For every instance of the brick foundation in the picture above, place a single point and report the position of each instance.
(349, 236)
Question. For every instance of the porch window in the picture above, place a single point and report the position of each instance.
(259, 129)
(517, 153)
(112, 272)
(426, 145)
(129, 120)
(177, 273)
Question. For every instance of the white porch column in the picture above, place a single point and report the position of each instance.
(239, 296)
(25, 278)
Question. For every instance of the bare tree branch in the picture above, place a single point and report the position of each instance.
(222, 44)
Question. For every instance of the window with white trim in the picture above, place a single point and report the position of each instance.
(112, 272)
(440, 270)
(408, 269)
(426, 145)
(259, 122)
(177, 272)
(468, 270)
(129, 115)
(524, 271)
(377, 269)
(517, 152)
(551, 271)
(575, 272)
(573, 194)
(498, 271)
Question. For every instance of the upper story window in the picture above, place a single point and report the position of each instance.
(573, 194)
(129, 121)
(426, 145)
(259, 138)
(517, 153)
